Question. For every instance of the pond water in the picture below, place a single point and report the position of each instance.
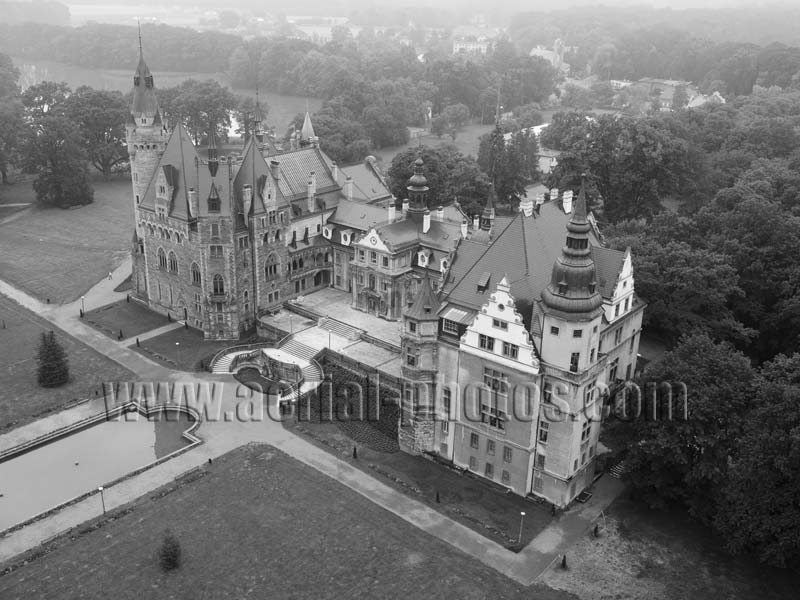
(69, 466)
(282, 107)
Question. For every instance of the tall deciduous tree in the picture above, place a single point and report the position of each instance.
(634, 164)
(685, 460)
(100, 115)
(54, 150)
(199, 105)
(451, 176)
(758, 510)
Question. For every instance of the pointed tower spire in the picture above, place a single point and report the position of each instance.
(307, 132)
(573, 284)
(144, 106)
(213, 158)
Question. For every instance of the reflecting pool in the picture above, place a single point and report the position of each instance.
(80, 461)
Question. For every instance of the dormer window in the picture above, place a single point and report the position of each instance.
(483, 282)
(562, 287)
(593, 287)
(444, 265)
(422, 258)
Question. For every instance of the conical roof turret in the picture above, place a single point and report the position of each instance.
(426, 305)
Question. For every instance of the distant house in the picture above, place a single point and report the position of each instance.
(473, 40)
(555, 56)
(701, 99)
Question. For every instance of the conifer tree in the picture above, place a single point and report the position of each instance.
(53, 364)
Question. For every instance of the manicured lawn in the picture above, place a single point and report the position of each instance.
(182, 348)
(258, 525)
(479, 505)
(130, 317)
(663, 556)
(60, 254)
(21, 398)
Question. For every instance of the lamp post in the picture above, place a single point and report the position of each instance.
(521, 520)
(83, 306)
(178, 352)
(102, 498)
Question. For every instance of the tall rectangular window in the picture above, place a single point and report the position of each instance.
(544, 431)
(474, 440)
(510, 350)
(490, 447)
(486, 342)
(573, 361)
(508, 454)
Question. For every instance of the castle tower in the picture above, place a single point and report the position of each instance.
(420, 365)
(307, 136)
(487, 216)
(574, 373)
(146, 134)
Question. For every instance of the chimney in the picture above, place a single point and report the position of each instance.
(313, 177)
(275, 169)
(310, 193)
(392, 211)
(194, 203)
(567, 201)
(405, 206)
(440, 213)
(476, 222)
(348, 187)
(553, 194)
(335, 169)
(426, 221)
(464, 228)
(526, 206)
(539, 202)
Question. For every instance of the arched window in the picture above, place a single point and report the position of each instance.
(166, 234)
(177, 238)
(318, 259)
(300, 263)
(245, 294)
(278, 235)
(196, 279)
(162, 259)
(294, 265)
(219, 284)
(272, 266)
(173, 263)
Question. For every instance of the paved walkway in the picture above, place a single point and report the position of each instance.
(221, 432)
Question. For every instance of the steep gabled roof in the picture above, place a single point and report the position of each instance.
(295, 168)
(608, 263)
(525, 250)
(144, 101)
(426, 306)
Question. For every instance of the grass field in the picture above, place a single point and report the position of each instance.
(182, 348)
(475, 503)
(60, 254)
(647, 555)
(21, 398)
(258, 525)
(130, 317)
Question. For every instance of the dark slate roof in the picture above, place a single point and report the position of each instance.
(442, 235)
(144, 100)
(426, 306)
(295, 168)
(358, 215)
(368, 183)
(524, 250)
(608, 264)
(178, 160)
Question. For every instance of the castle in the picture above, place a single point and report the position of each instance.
(512, 327)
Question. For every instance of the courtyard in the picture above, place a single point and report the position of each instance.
(256, 524)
